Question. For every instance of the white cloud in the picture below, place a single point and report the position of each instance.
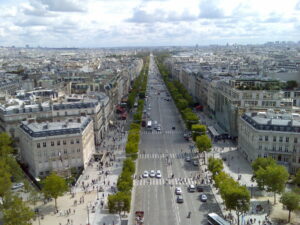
(96, 23)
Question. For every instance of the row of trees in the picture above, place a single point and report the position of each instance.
(236, 197)
(184, 103)
(120, 201)
(273, 178)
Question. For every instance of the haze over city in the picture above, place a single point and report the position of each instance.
(99, 23)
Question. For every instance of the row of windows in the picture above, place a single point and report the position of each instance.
(279, 148)
(58, 153)
(280, 139)
(52, 143)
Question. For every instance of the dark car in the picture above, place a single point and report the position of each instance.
(173, 128)
(179, 199)
(199, 188)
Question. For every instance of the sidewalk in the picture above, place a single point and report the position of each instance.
(83, 204)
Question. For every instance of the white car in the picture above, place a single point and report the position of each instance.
(158, 128)
(158, 174)
(17, 185)
(145, 174)
(152, 173)
(178, 191)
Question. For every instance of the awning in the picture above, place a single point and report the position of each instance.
(213, 131)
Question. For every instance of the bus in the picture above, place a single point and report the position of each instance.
(149, 124)
(215, 219)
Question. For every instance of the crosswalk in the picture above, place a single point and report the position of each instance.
(166, 155)
(162, 132)
(162, 181)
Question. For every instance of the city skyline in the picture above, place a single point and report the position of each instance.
(117, 23)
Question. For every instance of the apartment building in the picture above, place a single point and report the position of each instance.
(56, 146)
(270, 134)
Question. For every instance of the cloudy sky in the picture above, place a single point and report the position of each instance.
(105, 23)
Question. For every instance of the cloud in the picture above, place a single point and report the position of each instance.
(141, 16)
(210, 10)
(297, 7)
(36, 8)
(32, 22)
(62, 5)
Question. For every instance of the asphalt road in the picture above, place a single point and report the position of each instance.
(166, 151)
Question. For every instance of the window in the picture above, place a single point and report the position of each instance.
(266, 138)
(274, 148)
(280, 148)
(259, 147)
(286, 159)
(287, 139)
(280, 139)
(66, 113)
(52, 143)
(72, 141)
(286, 149)
(65, 151)
(274, 138)
(77, 141)
(78, 150)
(44, 144)
(265, 155)
(64, 142)
(58, 142)
(38, 145)
(295, 140)
(260, 138)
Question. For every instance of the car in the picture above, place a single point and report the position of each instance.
(187, 159)
(203, 198)
(178, 191)
(152, 173)
(179, 199)
(199, 188)
(145, 174)
(173, 128)
(196, 163)
(158, 174)
(158, 128)
(191, 188)
(17, 185)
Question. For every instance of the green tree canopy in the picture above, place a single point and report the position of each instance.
(291, 201)
(197, 130)
(5, 145)
(291, 84)
(119, 202)
(297, 178)
(16, 211)
(54, 186)
(262, 163)
(272, 179)
(129, 165)
(215, 166)
(182, 104)
(5, 182)
(203, 143)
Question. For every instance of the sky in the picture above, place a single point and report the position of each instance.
(117, 23)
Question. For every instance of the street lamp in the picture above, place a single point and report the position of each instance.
(97, 193)
(88, 214)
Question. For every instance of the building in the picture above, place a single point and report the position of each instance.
(270, 134)
(56, 146)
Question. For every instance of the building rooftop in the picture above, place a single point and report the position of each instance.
(271, 121)
(55, 128)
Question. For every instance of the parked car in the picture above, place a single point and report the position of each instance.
(187, 159)
(178, 191)
(180, 199)
(145, 174)
(173, 128)
(203, 198)
(152, 173)
(199, 188)
(158, 174)
(196, 163)
(191, 188)
(17, 185)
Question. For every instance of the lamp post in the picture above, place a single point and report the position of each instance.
(97, 193)
(88, 214)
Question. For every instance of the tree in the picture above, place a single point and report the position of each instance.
(5, 183)
(54, 186)
(262, 163)
(291, 201)
(297, 178)
(291, 84)
(128, 165)
(215, 166)
(272, 179)
(182, 104)
(197, 130)
(114, 201)
(203, 144)
(238, 198)
(5, 145)
(15, 211)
